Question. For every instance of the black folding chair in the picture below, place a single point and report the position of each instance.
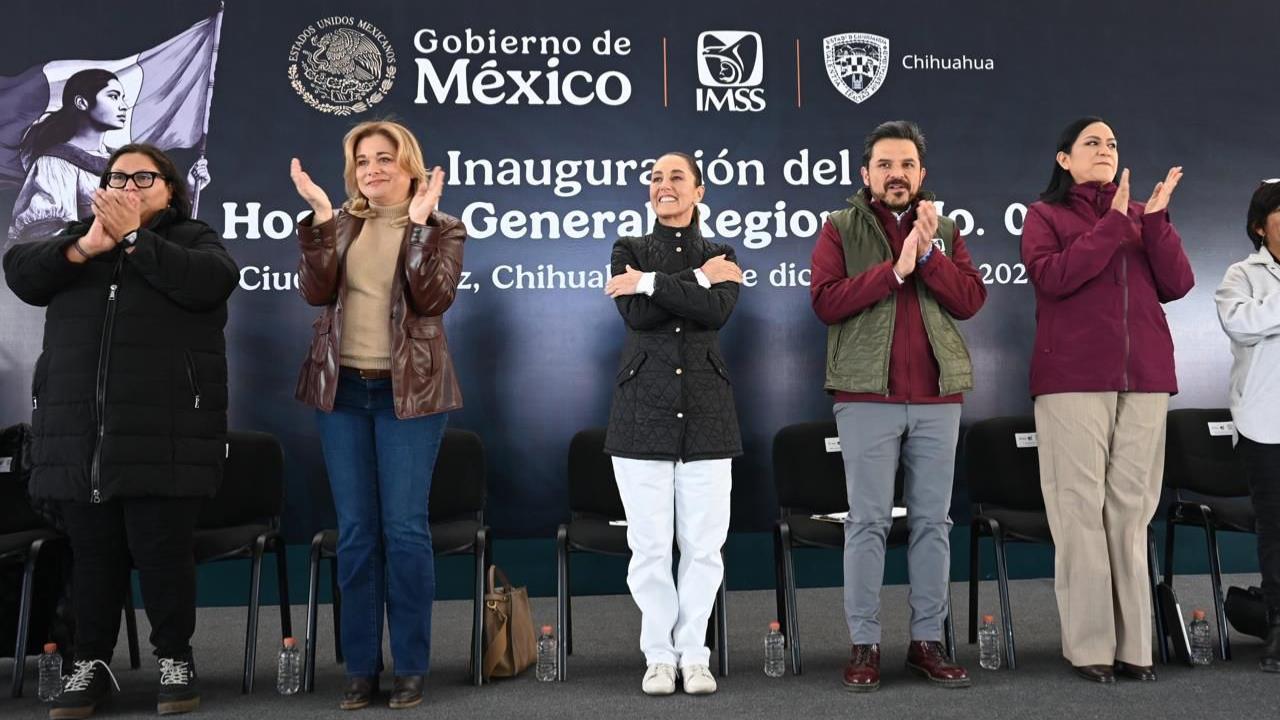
(455, 512)
(593, 503)
(1210, 491)
(243, 521)
(809, 475)
(1008, 506)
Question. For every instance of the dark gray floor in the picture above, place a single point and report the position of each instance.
(605, 670)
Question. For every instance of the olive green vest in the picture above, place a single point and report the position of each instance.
(858, 348)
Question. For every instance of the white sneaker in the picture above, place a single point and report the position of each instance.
(659, 679)
(698, 680)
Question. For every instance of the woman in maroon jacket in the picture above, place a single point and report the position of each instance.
(1101, 375)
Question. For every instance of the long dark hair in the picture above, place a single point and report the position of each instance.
(693, 168)
(180, 200)
(58, 126)
(1060, 181)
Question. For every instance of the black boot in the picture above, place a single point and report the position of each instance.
(87, 687)
(1270, 661)
(178, 691)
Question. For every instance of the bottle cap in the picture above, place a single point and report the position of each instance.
(988, 618)
(51, 647)
(775, 626)
(1197, 615)
(290, 642)
(546, 629)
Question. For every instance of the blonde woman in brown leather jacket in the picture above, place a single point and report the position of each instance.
(384, 268)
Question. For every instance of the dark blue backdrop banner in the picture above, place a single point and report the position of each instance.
(546, 117)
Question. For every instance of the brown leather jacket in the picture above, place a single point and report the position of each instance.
(422, 377)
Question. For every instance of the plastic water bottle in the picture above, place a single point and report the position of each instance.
(547, 656)
(1201, 646)
(289, 669)
(988, 644)
(775, 663)
(50, 664)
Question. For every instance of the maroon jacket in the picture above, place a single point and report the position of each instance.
(1100, 277)
(956, 283)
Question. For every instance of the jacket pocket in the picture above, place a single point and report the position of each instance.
(193, 378)
(628, 371)
(719, 366)
(323, 326)
(422, 336)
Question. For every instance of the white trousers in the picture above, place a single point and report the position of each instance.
(689, 501)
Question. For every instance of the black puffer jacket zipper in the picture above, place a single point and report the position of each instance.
(104, 364)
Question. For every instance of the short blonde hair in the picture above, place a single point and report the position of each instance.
(408, 155)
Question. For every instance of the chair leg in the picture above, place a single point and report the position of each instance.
(477, 608)
(779, 585)
(975, 568)
(562, 592)
(251, 631)
(722, 625)
(24, 616)
(282, 582)
(1215, 579)
(949, 628)
(789, 575)
(131, 626)
(1002, 582)
(313, 603)
(1153, 572)
(1169, 528)
(337, 610)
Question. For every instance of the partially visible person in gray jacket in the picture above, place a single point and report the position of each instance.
(1249, 309)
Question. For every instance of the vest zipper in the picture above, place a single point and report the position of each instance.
(192, 378)
(100, 394)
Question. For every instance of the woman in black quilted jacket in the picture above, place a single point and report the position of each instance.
(673, 429)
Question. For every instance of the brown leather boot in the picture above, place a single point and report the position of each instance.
(862, 674)
(929, 660)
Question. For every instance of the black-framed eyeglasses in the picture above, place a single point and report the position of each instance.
(142, 179)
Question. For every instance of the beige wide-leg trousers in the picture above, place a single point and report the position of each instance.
(1101, 464)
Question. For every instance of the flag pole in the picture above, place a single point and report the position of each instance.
(208, 100)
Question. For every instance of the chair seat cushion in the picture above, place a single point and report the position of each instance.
(17, 543)
(598, 536)
(224, 543)
(447, 538)
(805, 531)
(1229, 513)
(1024, 525)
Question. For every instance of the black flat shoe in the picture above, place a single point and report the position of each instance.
(407, 692)
(1145, 673)
(358, 692)
(1095, 673)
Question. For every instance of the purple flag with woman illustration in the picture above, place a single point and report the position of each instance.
(60, 121)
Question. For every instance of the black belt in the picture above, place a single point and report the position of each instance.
(365, 374)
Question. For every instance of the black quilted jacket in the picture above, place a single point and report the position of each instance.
(673, 400)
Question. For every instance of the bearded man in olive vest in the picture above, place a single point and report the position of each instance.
(890, 279)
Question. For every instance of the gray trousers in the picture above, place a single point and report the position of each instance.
(872, 437)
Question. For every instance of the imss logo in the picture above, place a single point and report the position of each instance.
(731, 69)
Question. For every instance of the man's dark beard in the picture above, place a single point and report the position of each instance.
(912, 196)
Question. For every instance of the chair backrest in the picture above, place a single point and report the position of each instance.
(458, 481)
(592, 487)
(808, 469)
(16, 513)
(1199, 456)
(252, 489)
(999, 471)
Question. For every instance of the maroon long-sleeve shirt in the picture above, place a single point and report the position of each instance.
(954, 281)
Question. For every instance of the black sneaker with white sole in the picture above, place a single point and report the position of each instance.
(88, 686)
(178, 692)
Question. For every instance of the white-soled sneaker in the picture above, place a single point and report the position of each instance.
(660, 679)
(698, 680)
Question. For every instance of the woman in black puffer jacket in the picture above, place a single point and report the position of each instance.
(129, 409)
(673, 430)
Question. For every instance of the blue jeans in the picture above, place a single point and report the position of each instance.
(380, 474)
